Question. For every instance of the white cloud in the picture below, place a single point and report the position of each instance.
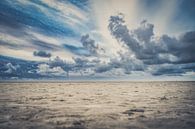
(45, 69)
(11, 68)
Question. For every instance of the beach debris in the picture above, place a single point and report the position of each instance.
(164, 98)
(133, 111)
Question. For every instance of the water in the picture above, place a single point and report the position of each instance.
(97, 105)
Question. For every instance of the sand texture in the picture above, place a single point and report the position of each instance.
(97, 105)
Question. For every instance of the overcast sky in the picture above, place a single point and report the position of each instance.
(97, 39)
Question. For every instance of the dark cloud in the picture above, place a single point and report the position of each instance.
(65, 65)
(186, 48)
(90, 45)
(83, 63)
(104, 68)
(173, 69)
(145, 32)
(42, 54)
(123, 62)
(138, 41)
(79, 65)
(151, 50)
(120, 31)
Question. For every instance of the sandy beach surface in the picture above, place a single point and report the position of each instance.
(97, 105)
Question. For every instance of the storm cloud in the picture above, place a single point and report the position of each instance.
(90, 45)
(151, 49)
(42, 54)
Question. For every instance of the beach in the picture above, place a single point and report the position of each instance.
(97, 105)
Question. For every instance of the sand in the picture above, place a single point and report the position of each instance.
(97, 105)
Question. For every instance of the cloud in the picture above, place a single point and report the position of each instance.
(78, 67)
(144, 51)
(172, 69)
(40, 16)
(84, 63)
(123, 62)
(22, 69)
(81, 66)
(63, 64)
(42, 54)
(44, 69)
(113, 45)
(150, 49)
(11, 68)
(84, 66)
(185, 47)
(147, 47)
(90, 45)
(120, 31)
(45, 25)
(144, 32)
(103, 68)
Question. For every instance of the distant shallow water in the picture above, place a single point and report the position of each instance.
(100, 105)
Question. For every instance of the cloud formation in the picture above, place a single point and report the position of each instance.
(90, 45)
(11, 68)
(82, 38)
(44, 69)
(150, 49)
(42, 54)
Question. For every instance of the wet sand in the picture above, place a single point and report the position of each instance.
(97, 105)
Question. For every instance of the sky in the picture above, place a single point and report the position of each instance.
(97, 39)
